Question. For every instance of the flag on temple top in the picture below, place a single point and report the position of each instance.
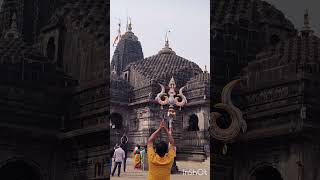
(117, 39)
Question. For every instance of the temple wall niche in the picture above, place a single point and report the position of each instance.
(202, 114)
(123, 111)
(144, 116)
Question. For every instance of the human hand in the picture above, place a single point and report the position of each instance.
(162, 124)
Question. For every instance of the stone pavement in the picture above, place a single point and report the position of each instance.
(195, 167)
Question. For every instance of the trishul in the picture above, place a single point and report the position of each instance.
(172, 99)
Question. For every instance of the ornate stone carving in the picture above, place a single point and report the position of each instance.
(237, 122)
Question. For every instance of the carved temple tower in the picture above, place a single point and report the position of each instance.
(54, 89)
(265, 125)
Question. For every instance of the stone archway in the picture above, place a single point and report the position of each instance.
(116, 121)
(19, 170)
(265, 172)
(193, 123)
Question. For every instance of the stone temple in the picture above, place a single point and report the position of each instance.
(53, 89)
(265, 78)
(134, 86)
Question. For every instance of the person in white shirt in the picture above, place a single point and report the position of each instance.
(118, 156)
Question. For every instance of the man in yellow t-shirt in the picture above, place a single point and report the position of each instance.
(160, 160)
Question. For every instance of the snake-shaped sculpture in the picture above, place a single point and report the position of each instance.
(237, 124)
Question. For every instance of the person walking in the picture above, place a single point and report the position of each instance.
(118, 156)
(144, 159)
(136, 157)
(161, 158)
(111, 152)
(124, 146)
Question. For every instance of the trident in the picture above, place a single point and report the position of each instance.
(172, 99)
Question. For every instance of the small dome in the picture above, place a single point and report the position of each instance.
(166, 49)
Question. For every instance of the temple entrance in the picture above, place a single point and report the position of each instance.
(193, 123)
(116, 120)
(18, 170)
(266, 173)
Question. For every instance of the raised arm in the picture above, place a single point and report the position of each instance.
(170, 138)
(154, 135)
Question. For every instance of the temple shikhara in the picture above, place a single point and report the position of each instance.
(265, 82)
(135, 84)
(53, 89)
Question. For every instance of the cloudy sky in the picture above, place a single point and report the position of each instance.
(188, 21)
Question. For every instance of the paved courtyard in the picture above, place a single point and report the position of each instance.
(200, 167)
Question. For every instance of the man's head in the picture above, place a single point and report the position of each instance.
(116, 146)
(162, 148)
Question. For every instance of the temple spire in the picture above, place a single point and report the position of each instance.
(13, 31)
(118, 37)
(167, 40)
(129, 25)
(205, 69)
(306, 29)
(166, 49)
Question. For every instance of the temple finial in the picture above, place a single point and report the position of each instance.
(118, 37)
(13, 31)
(306, 19)
(166, 48)
(205, 69)
(306, 29)
(119, 28)
(167, 39)
(129, 25)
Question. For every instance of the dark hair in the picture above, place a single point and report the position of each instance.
(138, 146)
(162, 148)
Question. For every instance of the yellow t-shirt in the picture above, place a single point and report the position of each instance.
(160, 167)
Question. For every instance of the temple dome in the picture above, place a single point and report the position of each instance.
(284, 61)
(250, 12)
(166, 64)
(241, 29)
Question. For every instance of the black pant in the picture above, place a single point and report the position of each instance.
(124, 163)
(117, 164)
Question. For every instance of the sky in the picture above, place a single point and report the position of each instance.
(187, 20)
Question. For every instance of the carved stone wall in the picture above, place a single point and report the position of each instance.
(292, 158)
